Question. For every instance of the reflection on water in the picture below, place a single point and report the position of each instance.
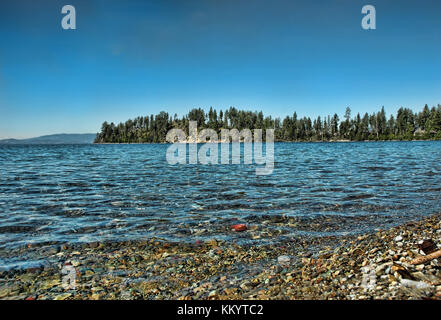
(84, 193)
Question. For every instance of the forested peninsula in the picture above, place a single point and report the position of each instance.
(405, 125)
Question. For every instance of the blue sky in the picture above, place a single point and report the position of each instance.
(130, 58)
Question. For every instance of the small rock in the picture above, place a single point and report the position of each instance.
(284, 260)
(420, 267)
(238, 227)
(63, 296)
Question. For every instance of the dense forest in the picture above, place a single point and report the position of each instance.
(406, 125)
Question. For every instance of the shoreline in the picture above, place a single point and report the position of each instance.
(330, 141)
(221, 270)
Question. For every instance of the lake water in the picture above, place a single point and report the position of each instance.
(83, 193)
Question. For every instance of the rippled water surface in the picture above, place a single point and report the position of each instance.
(84, 193)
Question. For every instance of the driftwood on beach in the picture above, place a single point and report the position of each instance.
(427, 258)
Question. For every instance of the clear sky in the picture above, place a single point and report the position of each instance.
(129, 58)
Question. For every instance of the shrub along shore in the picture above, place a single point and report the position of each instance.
(374, 266)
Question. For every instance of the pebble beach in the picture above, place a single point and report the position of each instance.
(372, 266)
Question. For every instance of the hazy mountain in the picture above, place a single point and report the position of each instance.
(62, 138)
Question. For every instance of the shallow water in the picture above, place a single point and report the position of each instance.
(83, 193)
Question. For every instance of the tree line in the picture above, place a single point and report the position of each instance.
(405, 125)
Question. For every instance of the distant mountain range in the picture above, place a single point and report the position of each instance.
(62, 138)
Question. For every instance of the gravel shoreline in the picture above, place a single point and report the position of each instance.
(373, 266)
